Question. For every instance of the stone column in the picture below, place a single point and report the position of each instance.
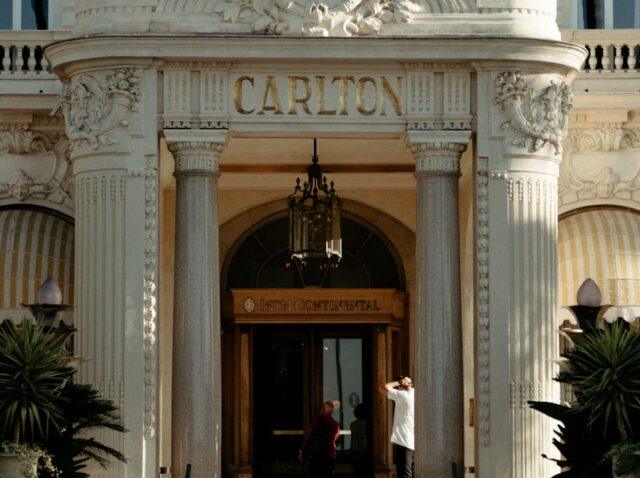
(517, 166)
(114, 154)
(438, 330)
(196, 390)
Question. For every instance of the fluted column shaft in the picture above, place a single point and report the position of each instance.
(196, 393)
(438, 337)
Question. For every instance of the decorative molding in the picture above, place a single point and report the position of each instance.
(603, 137)
(196, 156)
(537, 119)
(437, 158)
(150, 296)
(20, 139)
(95, 107)
(607, 183)
(483, 307)
(177, 98)
(42, 170)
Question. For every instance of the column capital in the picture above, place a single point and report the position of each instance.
(196, 152)
(437, 154)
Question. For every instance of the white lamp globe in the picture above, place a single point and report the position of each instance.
(49, 293)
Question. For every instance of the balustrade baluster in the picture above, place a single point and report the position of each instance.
(6, 59)
(606, 57)
(21, 60)
(619, 59)
(31, 59)
(592, 54)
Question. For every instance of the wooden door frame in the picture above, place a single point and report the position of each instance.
(245, 309)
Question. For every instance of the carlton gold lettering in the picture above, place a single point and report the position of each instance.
(271, 90)
(343, 91)
(361, 96)
(321, 95)
(237, 94)
(394, 97)
(293, 94)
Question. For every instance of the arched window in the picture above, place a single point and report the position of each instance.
(261, 259)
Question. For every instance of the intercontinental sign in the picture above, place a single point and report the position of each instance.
(322, 95)
(317, 305)
(251, 305)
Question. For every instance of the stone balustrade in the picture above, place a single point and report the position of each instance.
(610, 51)
(21, 53)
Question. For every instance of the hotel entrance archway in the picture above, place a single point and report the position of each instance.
(293, 339)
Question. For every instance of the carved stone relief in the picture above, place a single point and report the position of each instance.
(608, 144)
(34, 165)
(96, 107)
(332, 17)
(535, 119)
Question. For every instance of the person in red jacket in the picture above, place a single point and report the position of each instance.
(319, 446)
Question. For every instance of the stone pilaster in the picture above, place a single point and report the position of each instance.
(438, 327)
(114, 173)
(196, 390)
(517, 166)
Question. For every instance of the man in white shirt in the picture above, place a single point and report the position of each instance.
(402, 393)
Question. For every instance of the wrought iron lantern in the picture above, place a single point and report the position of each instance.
(314, 219)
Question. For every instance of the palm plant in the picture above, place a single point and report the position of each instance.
(72, 446)
(603, 370)
(604, 374)
(34, 367)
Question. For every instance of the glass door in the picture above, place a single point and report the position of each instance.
(295, 371)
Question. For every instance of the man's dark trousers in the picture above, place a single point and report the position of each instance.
(404, 462)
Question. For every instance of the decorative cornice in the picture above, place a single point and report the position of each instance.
(536, 119)
(437, 158)
(196, 156)
(96, 105)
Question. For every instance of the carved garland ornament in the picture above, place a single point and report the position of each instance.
(536, 119)
(333, 18)
(94, 108)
